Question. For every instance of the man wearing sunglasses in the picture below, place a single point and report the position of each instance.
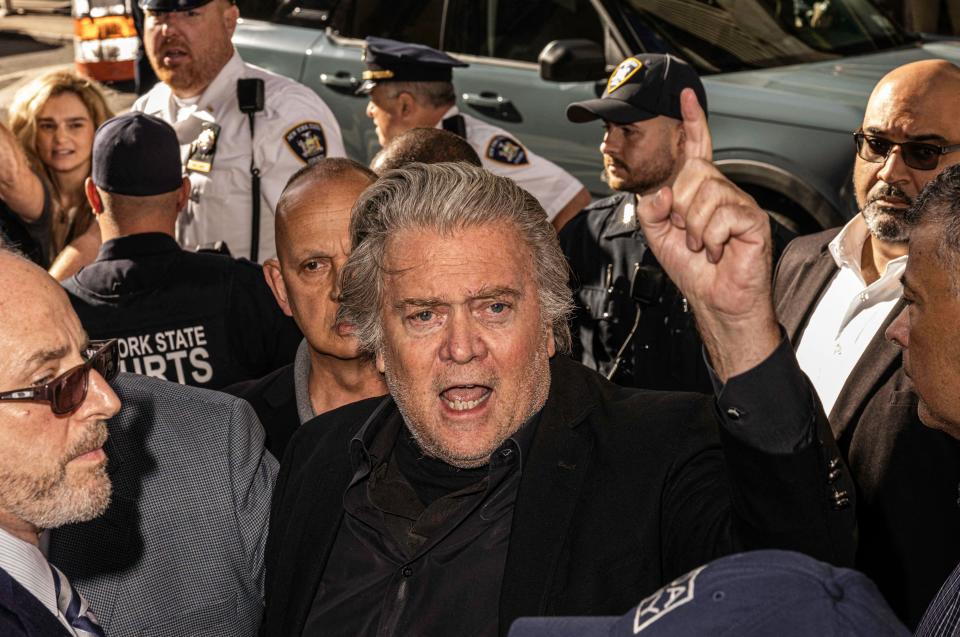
(178, 544)
(54, 404)
(836, 292)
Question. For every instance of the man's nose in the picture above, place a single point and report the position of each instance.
(610, 143)
(898, 331)
(101, 402)
(370, 109)
(894, 170)
(463, 341)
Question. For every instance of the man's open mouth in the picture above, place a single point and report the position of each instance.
(465, 397)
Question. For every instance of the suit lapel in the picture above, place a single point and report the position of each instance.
(796, 304)
(318, 496)
(878, 362)
(553, 476)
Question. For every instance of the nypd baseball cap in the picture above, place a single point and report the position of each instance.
(393, 61)
(136, 154)
(160, 6)
(641, 88)
(754, 594)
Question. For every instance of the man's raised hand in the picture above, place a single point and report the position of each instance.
(714, 243)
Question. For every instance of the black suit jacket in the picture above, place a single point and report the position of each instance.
(274, 398)
(906, 474)
(622, 491)
(22, 614)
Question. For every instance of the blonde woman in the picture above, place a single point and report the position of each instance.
(41, 178)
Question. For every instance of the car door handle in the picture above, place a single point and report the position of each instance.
(341, 81)
(493, 105)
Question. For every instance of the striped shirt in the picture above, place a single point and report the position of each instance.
(942, 618)
(27, 565)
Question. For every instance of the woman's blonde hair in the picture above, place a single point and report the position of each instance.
(23, 112)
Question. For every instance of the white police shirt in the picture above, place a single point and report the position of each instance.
(502, 154)
(294, 128)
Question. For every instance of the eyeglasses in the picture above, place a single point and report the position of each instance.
(67, 391)
(917, 155)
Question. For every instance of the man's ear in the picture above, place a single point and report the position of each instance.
(96, 204)
(406, 105)
(230, 17)
(379, 360)
(183, 195)
(274, 278)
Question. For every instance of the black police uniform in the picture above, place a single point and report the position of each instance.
(606, 255)
(195, 318)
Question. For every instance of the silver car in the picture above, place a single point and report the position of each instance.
(786, 80)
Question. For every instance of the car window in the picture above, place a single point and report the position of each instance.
(405, 20)
(736, 35)
(515, 30)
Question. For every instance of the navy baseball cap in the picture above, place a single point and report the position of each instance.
(641, 88)
(160, 6)
(392, 61)
(754, 594)
(136, 154)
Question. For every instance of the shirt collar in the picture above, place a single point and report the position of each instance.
(26, 564)
(368, 448)
(222, 90)
(622, 219)
(847, 250)
(301, 382)
(137, 246)
(453, 111)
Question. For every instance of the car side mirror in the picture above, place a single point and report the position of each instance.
(572, 61)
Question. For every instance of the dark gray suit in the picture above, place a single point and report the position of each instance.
(906, 474)
(180, 550)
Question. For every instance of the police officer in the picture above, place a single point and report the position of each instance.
(188, 44)
(631, 323)
(410, 86)
(194, 318)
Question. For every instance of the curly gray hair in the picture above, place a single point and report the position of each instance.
(445, 197)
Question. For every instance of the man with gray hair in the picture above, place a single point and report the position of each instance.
(498, 480)
(927, 332)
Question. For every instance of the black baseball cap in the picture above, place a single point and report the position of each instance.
(641, 88)
(393, 61)
(136, 154)
(753, 594)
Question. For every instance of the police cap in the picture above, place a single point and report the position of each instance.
(393, 61)
(641, 88)
(136, 154)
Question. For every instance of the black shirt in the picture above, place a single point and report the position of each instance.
(422, 555)
(32, 239)
(194, 318)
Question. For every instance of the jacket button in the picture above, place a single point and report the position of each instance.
(834, 464)
(833, 476)
(407, 571)
(841, 499)
(733, 413)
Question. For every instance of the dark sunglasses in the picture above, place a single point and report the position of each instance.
(67, 391)
(917, 155)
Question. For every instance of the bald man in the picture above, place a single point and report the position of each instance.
(426, 146)
(313, 242)
(835, 294)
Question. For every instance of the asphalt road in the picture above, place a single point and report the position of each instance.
(37, 40)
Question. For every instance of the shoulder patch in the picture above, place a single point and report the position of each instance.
(307, 141)
(506, 150)
(624, 71)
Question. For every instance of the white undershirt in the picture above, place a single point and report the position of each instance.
(847, 316)
(26, 564)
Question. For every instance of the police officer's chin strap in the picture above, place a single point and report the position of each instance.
(646, 286)
(250, 99)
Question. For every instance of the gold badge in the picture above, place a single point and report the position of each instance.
(203, 149)
(624, 71)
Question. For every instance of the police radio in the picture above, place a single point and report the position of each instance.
(646, 286)
(250, 99)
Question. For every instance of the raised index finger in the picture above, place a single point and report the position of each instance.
(697, 143)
